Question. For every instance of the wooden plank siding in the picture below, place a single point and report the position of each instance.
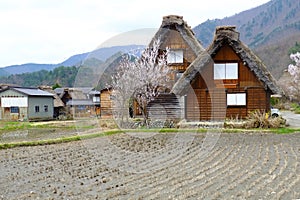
(211, 105)
(106, 104)
(206, 105)
(174, 40)
(165, 106)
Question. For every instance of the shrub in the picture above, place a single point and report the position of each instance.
(295, 108)
(261, 119)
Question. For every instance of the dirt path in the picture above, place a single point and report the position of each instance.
(162, 166)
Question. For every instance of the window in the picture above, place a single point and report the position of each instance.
(14, 109)
(175, 56)
(96, 99)
(81, 107)
(37, 108)
(46, 108)
(237, 99)
(226, 71)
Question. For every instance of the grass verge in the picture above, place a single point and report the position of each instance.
(111, 132)
(58, 140)
(286, 130)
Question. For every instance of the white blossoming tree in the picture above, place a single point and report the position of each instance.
(294, 70)
(139, 79)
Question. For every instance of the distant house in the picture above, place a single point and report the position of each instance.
(59, 106)
(21, 103)
(227, 80)
(80, 102)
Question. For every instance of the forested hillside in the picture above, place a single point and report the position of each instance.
(63, 76)
(270, 30)
(89, 74)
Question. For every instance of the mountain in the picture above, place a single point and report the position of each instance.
(95, 57)
(3, 72)
(91, 73)
(270, 30)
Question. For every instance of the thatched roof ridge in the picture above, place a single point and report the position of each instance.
(176, 23)
(229, 35)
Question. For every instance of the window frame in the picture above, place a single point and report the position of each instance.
(96, 99)
(225, 74)
(177, 57)
(37, 109)
(238, 99)
(46, 108)
(14, 109)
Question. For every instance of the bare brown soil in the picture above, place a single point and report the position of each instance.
(162, 166)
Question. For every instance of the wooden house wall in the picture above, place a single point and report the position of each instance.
(207, 100)
(136, 109)
(84, 110)
(106, 104)
(174, 40)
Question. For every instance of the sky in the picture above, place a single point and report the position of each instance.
(50, 31)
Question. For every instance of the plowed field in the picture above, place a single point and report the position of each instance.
(160, 166)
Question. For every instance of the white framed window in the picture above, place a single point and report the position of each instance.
(175, 56)
(96, 99)
(236, 99)
(226, 71)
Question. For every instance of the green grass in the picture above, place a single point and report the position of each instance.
(14, 126)
(285, 130)
(58, 140)
(11, 126)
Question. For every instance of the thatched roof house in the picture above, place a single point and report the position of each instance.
(226, 80)
(176, 35)
(227, 35)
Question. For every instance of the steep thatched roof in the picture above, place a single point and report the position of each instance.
(176, 23)
(227, 35)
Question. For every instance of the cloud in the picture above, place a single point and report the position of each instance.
(49, 31)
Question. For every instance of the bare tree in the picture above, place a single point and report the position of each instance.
(141, 79)
(294, 70)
